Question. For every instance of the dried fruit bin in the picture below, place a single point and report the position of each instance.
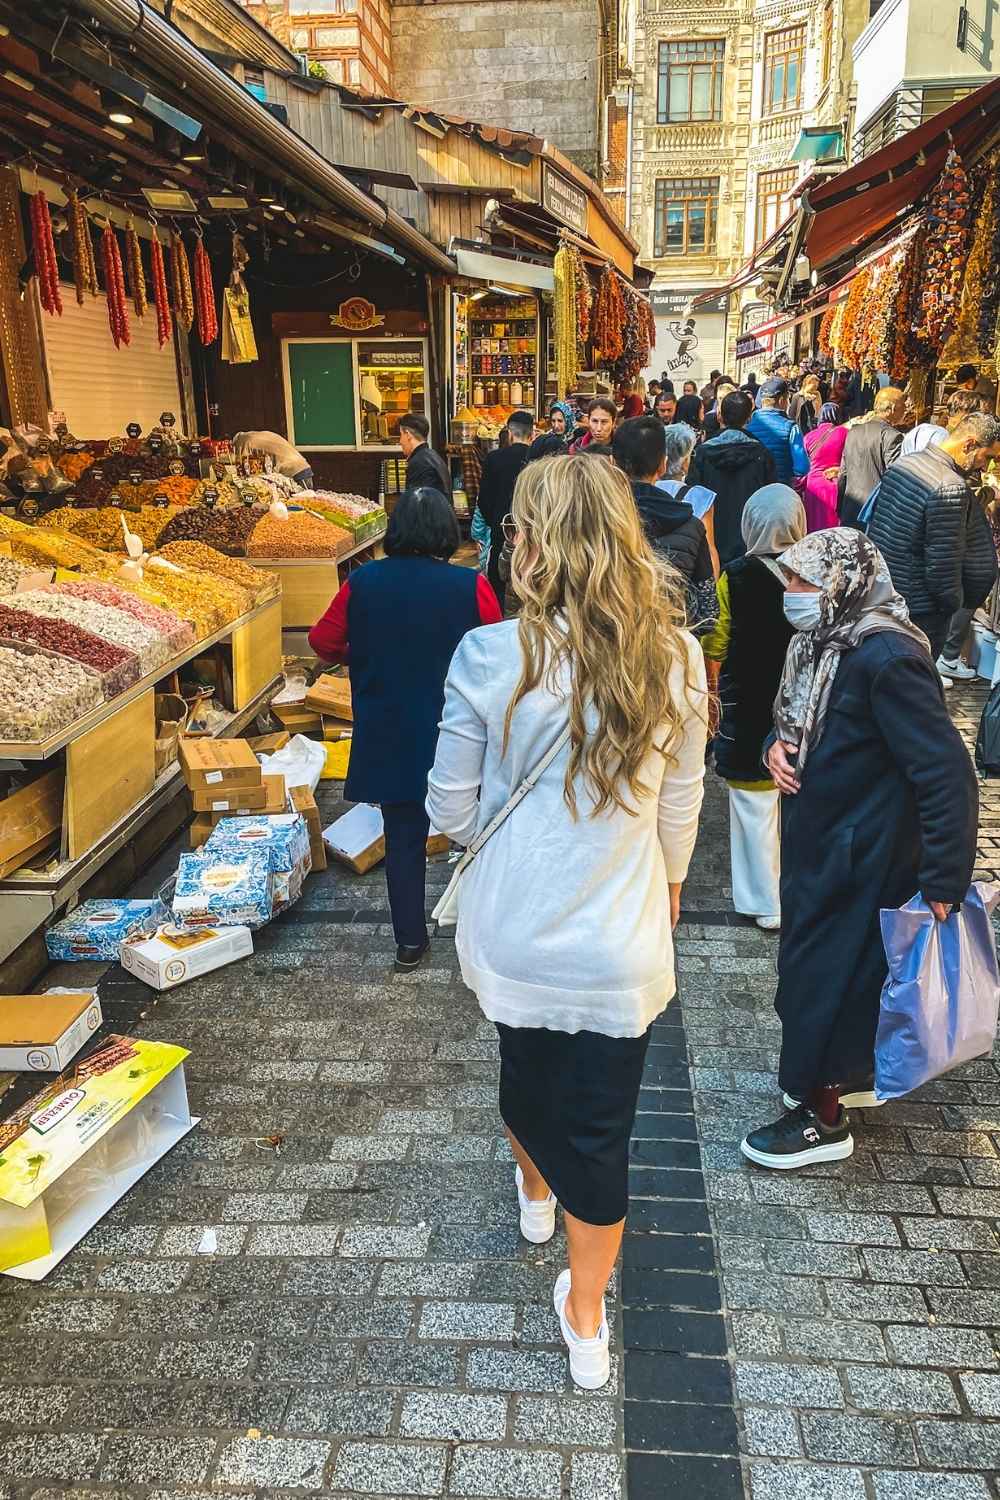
(109, 624)
(42, 691)
(118, 668)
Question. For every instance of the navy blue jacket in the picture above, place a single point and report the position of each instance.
(404, 618)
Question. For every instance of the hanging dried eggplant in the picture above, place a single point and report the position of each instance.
(180, 284)
(84, 265)
(204, 291)
(44, 254)
(164, 322)
(136, 274)
(114, 287)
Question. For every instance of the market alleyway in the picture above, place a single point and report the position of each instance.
(370, 1322)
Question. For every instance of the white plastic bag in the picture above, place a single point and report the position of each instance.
(301, 762)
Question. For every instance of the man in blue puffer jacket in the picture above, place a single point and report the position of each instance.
(781, 437)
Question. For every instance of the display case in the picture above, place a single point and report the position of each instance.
(495, 343)
(349, 394)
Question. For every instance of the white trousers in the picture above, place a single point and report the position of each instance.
(755, 852)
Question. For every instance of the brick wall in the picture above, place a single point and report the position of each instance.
(525, 64)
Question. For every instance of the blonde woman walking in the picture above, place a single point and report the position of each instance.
(566, 915)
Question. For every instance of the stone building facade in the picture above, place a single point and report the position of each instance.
(721, 94)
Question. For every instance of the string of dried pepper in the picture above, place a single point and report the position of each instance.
(114, 288)
(180, 282)
(136, 274)
(44, 254)
(84, 266)
(564, 308)
(208, 322)
(609, 317)
(944, 254)
(164, 322)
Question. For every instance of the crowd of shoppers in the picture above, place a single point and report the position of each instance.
(768, 574)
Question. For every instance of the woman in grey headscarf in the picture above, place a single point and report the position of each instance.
(880, 802)
(749, 644)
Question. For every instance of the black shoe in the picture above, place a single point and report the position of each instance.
(797, 1139)
(408, 958)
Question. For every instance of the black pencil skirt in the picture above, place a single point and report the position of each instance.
(570, 1102)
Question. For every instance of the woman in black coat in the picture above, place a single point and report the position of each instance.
(397, 622)
(880, 802)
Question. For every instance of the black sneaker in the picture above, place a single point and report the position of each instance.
(408, 958)
(797, 1139)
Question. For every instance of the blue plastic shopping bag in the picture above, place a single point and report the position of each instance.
(940, 1000)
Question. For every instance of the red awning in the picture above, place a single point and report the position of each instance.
(852, 208)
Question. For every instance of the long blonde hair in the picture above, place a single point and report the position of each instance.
(595, 596)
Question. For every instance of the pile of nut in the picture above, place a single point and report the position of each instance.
(110, 624)
(301, 535)
(10, 574)
(41, 692)
(197, 555)
(118, 668)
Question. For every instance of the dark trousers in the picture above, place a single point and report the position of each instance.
(935, 628)
(958, 634)
(406, 830)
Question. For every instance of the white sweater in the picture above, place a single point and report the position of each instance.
(563, 924)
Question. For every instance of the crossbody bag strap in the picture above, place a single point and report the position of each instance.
(515, 800)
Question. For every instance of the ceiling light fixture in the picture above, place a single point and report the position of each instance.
(193, 156)
(171, 200)
(227, 200)
(38, 120)
(22, 83)
(120, 117)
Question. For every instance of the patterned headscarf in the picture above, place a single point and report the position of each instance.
(568, 413)
(831, 412)
(857, 599)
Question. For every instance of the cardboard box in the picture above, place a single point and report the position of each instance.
(336, 729)
(177, 954)
(204, 822)
(286, 839)
(301, 799)
(331, 696)
(267, 744)
(357, 839)
(231, 802)
(43, 1033)
(70, 1153)
(97, 929)
(296, 719)
(224, 889)
(211, 763)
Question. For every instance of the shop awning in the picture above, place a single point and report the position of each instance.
(751, 270)
(480, 265)
(853, 208)
(820, 143)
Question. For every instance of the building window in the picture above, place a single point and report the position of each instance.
(826, 55)
(685, 213)
(783, 56)
(337, 36)
(772, 190)
(690, 81)
(936, 98)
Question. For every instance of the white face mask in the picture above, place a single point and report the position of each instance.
(802, 611)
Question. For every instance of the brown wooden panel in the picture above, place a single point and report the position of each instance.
(256, 654)
(306, 590)
(108, 770)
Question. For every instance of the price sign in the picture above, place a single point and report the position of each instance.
(210, 496)
(167, 419)
(161, 499)
(133, 430)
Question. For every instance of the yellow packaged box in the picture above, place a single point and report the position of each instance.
(232, 801)
(210, 763)
(331, 696)
(71, 1152)
(43, 1033)
(176, 954)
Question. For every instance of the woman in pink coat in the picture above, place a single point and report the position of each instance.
(825, 447)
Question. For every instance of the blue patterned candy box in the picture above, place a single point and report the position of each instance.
(284, 836)
(97, 929)
(224, 888)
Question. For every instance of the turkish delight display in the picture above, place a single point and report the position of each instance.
(225, 888)
(118, 668)
(42, 692)
(112, 625)
(177, 634)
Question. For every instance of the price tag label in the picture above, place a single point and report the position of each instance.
(155, 443)
(116, 500)
(210, 496)
(176, 467)
(248, 497)
(167, 419)
(133, 430)
(161, 499)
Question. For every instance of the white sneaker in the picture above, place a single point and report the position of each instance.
(538, 1218)
(958, 670)
(589, 1359)
(768, 924)
(860, 1099)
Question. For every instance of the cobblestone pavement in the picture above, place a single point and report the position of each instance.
(372, 1324)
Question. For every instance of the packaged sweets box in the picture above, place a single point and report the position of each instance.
(176, 954)
(286, 840)
(224, 888)
(224, 764)
(269, 797)
(97, 929)
(43, 1033)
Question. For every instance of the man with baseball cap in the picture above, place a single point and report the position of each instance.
(781, 437)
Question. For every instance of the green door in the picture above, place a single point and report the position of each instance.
(321, 386)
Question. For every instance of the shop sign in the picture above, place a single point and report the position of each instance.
(564, 200)
(671, 301)
(356, 314)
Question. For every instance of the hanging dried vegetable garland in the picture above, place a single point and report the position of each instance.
(944, 254)
(609, 318)
(164, 322)
(180, 284)
(204, 295)
(114, 288)
(649, 327)
(879, 317)
(825, 325)
(989, 299)
(918, 350)
(964, 342)
(635, 347)
(84, 265)
(899, 359)
(852, 327)
(136, 274)
(836, 330)
(564, 311)
(44, 254)
(583, 295)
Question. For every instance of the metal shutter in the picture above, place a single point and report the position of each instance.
(100, 388)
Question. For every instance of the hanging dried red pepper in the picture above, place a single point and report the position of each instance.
(114, 288)
(180, 283)
(164, 322)
(43, 252)
(136, 274)
(608, 319)
(204, 295)
(84, 266)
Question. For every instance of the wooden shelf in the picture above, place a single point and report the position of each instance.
(42, 749)
(309, 583)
